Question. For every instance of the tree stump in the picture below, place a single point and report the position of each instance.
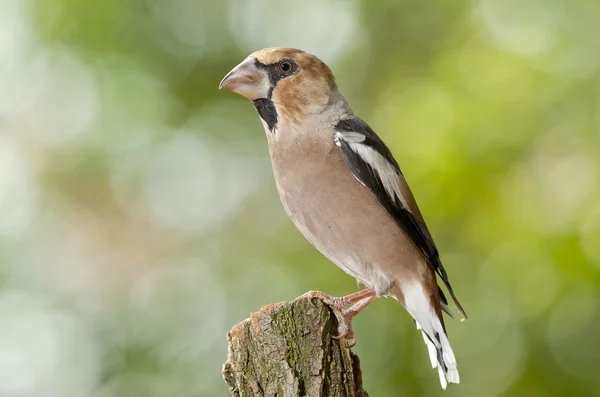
(287, 350)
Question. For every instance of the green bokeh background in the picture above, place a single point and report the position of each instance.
(139, 220)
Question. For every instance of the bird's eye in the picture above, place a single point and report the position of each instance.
(285, 66)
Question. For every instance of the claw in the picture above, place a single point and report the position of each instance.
(359, 300)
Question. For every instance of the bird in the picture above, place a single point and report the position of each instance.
(341, 186)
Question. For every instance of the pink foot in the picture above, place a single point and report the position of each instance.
(359, 300)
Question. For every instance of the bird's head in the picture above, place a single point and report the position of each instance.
(284, 83)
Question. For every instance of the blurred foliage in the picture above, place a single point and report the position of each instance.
(139, 220)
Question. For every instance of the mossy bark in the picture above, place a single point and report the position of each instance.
(287, 350)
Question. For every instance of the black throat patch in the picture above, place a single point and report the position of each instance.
(264, 106)
(266, 111)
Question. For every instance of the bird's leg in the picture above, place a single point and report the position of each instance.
(339, 302)
(345, 323)
(359, 300)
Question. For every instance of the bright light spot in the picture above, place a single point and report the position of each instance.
(18, 188)
(19, 76)
(42, 351)
(546, 35)
(15, 33)
(193, 185)
(565, 185)
(522, 27)
(66, 101)
(323, 28)
(181, 311)
(188, 28)
(550, 189)
(48, 96)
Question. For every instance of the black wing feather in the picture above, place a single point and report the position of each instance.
(414, 229)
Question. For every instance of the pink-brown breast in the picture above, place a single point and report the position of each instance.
(339, 215)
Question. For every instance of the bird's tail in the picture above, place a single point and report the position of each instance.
(428, 318)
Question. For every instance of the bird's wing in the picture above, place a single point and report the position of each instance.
(373, 165)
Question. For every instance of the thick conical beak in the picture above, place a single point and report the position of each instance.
(247, 80)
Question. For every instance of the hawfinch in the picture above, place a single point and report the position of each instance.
(341, 186)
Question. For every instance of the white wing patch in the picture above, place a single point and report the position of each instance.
(389, 176)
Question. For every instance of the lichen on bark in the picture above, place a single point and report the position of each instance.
(287, 350)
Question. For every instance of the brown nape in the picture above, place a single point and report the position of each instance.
(315, 68)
